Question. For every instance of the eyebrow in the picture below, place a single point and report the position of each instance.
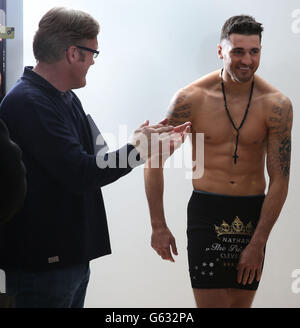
(238, 48)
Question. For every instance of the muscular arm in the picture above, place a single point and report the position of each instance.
(179, 112)
(278, 164)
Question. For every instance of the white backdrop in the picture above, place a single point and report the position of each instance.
(150, 49)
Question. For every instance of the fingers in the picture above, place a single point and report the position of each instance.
(164, 122)
(166, 255)
(146, 123)
(163, 129)
(240, 273)
(258, 274)
(251, 276)
(187, 130)
(173, 247)
(247, 275)
(182, 127)
(147, 135)
(185, 133)
(243, 275)
(165, 251)
(181, 133)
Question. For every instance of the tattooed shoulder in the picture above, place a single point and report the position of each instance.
(280, 115)
(280, 125)
(180, 109)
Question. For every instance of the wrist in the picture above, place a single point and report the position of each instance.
(141, 148)
(258, 242)
(158, 225)
(133, 142)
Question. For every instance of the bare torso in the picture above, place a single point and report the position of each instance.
(203, 104)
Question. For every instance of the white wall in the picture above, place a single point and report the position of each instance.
(149, 49)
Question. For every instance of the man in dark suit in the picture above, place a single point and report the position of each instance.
(46, 249)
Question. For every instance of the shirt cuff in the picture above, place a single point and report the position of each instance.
(134, 157)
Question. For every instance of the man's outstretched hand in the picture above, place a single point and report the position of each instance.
(159, 140)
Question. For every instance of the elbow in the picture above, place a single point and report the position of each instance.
(279, 186)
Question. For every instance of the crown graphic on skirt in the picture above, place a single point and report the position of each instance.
(236, 228)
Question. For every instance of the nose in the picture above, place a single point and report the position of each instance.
(247, 59)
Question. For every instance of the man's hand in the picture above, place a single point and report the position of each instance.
(250, 264)
(161, 241)
(169, 142)
(159, 140)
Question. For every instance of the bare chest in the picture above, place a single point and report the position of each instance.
(213, 120)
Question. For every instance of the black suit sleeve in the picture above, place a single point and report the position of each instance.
(43, 132)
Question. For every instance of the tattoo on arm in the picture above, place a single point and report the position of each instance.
(284, 156)
(179, 111)
(280, 124)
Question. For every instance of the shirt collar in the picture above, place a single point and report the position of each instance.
(37, 79)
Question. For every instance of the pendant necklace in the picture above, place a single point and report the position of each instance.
(235, 156)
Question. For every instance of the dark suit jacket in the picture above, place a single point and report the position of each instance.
(63, 221)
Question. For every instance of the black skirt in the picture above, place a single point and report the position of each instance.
(219, 228)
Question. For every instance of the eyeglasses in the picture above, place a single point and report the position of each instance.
(95, 52)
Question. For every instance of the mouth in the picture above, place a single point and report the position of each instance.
(244, 69)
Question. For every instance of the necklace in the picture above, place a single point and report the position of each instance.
(235, 156)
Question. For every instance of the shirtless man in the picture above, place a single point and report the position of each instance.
(245, 120)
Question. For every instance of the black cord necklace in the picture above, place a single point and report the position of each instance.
(235, 156)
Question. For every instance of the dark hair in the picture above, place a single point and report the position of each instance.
(60, 28)
(242, 24)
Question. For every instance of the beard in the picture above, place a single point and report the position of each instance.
(240, 75)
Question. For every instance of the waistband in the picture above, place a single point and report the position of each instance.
(207, 204)
(224, 195)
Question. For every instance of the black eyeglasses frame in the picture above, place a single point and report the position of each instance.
(95, 52)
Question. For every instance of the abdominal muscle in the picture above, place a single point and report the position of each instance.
(222, 176)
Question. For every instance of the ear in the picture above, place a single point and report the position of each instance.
(220, 51)
(72, 54)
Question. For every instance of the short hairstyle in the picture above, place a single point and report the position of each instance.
(241, 24)
(60, 28)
